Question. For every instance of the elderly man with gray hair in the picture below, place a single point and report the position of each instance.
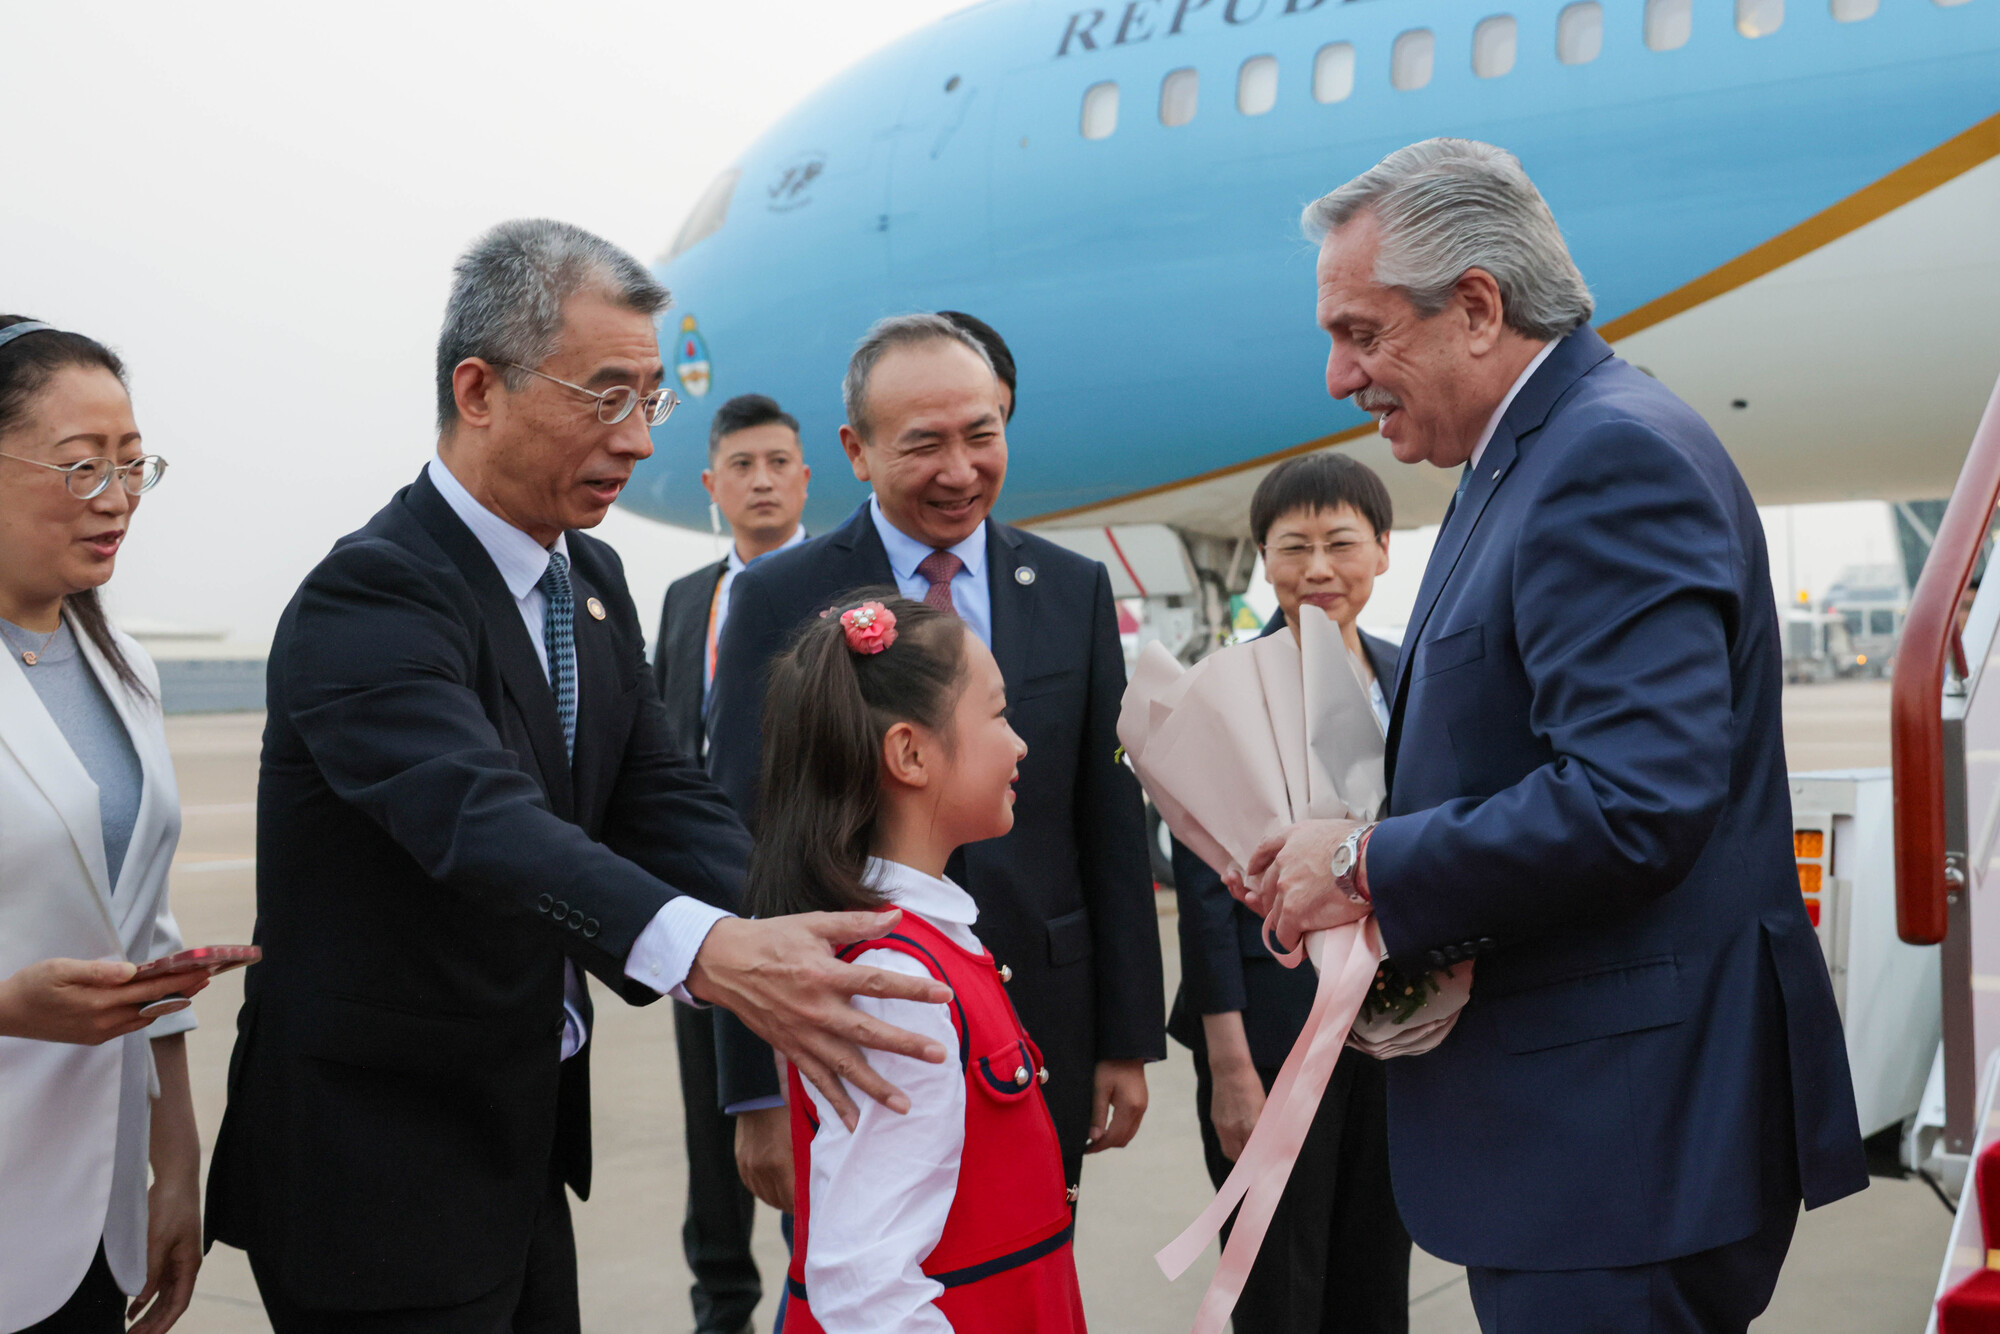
(1587, 792)
(469, 797)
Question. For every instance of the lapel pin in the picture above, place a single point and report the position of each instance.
(596, 608)
(1024, 576)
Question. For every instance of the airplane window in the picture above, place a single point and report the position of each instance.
(1669, 23)
(1853, 11)
(705, 219)
(1257, 85)
(1580, 33)
(1179, 92)
(1411, 58)
(1333, 72)
(1493, 46)
(1100, 110)
(1947, 4)
(1759, 18)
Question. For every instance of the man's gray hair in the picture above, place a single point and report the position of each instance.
(506, 302)
(1445, 206)
(896, 331)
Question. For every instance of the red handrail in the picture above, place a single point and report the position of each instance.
(1916, 725)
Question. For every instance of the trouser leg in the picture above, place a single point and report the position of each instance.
(721, 1211)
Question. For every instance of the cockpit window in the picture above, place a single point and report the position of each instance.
(709, 212)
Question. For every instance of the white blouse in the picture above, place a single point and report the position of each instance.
(880, 1196)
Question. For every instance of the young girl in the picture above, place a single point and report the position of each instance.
(886, 746)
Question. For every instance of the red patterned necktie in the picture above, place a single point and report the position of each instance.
(940, 567)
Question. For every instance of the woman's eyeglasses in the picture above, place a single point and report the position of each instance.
(615, 404)
(88, 478)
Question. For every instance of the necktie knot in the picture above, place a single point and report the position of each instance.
(554, 582)
(940, 568)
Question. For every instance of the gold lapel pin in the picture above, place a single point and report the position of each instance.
(596, 608)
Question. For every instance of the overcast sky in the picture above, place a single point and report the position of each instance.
(259, 204)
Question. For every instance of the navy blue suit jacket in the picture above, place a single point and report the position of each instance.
(1065, 899)
(1588, 791)
(1224, 965)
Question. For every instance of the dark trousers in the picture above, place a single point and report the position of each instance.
(541, 1299)
(1718, 1291)
(96, 1307)
(715, 1236)
(1336, 1259)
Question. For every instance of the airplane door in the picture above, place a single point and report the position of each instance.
(937, 222)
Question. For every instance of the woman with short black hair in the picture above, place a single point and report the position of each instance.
(93, 1081)
(1336, 1257)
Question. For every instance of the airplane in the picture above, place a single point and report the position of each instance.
(1784, 213)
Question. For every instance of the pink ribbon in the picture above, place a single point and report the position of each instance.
(1348, 959)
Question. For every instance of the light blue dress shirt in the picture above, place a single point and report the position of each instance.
(969, 591)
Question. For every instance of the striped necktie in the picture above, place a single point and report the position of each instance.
(559, 637)
(1464, 480)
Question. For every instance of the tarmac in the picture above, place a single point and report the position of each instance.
(1866, 1264)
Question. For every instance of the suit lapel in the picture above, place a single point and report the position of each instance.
(27, 729)
(156, 786)
(1571, 360)
(1012, 601)
(513, 652)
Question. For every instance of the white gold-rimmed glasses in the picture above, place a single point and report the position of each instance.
(88, 478)
(615, 404)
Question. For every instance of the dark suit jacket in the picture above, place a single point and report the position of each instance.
(679, 653)
(1224, 965)
(427, 858)
(1588, 791)
(1065, 899)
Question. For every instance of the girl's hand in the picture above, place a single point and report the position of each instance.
(764, 1155)
(84, 1001)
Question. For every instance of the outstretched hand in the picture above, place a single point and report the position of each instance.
(780, 977)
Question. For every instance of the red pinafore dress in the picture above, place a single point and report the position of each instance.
(1004, 1257)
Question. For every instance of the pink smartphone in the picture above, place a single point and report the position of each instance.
(211, 959)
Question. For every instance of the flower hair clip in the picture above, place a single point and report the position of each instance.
(870, 627)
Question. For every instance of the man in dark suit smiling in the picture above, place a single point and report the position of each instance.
(1064, 900)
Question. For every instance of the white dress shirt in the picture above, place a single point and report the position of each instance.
(1493, 422)
(969, 593)
(664, 952)
(735, 567)
(880, 1195)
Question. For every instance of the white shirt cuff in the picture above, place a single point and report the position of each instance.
(663, 955)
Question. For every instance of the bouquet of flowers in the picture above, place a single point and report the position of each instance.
(1244, 744)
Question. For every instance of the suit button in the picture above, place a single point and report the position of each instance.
(561, 910)
(1437, 960)
(1454, 952)
(576, 919)
(1006, 973)
(544, 903)
(1485, 943)
(1042, 1075)
(1021, 1075)
(589, 928)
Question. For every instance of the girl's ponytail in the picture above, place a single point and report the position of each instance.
(826, 709)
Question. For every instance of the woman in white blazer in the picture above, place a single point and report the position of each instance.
(93, 1092)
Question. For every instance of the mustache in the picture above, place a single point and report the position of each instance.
(1372, 399)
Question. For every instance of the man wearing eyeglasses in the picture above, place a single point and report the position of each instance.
(468, 797)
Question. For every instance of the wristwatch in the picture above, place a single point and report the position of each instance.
(1347, 864)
